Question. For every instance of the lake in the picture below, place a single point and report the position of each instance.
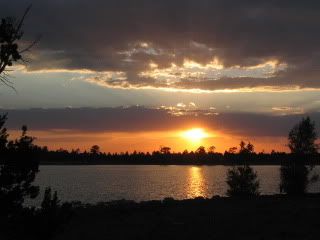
(98, 183)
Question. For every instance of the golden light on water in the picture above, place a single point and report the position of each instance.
(196, 184)
(195, 134)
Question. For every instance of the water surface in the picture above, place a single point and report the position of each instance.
(98, 183)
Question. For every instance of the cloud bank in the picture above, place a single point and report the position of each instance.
(207, 45)
(141, 119)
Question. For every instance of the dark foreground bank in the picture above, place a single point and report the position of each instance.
(266, 217)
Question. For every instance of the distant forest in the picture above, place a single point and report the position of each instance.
(245, 155)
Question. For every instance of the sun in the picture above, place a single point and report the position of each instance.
(195, 134)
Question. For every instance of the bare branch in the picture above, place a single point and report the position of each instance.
(10, 34)
(18, 28)
(6, 82)
(31, 45)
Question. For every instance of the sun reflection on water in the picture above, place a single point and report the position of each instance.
(196, 185)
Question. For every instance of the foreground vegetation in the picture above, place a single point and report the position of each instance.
(266, 217)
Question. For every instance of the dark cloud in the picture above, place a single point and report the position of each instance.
(92, 34)
(274, 83)
(137, 119)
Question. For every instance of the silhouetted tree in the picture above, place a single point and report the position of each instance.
(302, 137)
(95, 149)
(17, 174)
(3, 135)
(18, 169)
(294, 178)
(250, 147)
(211, 149)
(242, 147)
(246, 148)
(49, 201)
(201, 150)
(232, 150)
(242, 181)
(295, 173)
(10, 33)
(50, 215)
(165, 150)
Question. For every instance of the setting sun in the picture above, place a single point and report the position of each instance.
(195, 134)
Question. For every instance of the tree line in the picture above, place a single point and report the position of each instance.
(161, 156)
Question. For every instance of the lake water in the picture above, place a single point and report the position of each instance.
(91, 184)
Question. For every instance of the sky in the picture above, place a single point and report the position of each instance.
(134, 75)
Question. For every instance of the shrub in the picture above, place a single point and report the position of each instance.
(242, 181)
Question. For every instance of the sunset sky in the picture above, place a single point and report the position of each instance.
(134, 75)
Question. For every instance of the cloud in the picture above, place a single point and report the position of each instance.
(144, 39)
(141, 119)
(288, 110)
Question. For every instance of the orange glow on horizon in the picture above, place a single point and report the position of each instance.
(179, 140)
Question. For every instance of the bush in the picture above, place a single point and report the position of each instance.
(295, 173)
(242, 181)
(52, 215)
